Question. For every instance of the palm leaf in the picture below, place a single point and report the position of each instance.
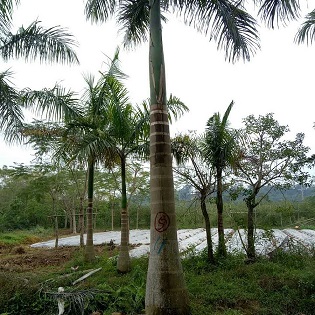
(6, 11)
(234, 30)
(52, 44)
(55, 103)
(227, 114)
(175, 108)
(133, 15)
(11, 114)
(99, 10)
(284, 11)
(307, 30)
(114, 67)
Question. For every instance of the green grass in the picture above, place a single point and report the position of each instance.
(10, 239)
(283, 285)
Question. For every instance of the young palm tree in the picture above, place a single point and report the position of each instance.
(83, 133)
(128, 137)
(87, 138)
(220, 150)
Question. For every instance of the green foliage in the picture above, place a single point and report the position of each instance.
(17, 238)
(284, 284)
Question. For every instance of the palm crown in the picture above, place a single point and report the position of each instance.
(54, 44)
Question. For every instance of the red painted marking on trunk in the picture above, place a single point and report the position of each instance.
(162, 222)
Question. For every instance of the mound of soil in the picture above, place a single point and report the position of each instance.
(25, 258)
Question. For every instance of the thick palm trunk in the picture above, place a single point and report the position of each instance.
(123, 263)
(166, 292)
(89, 247)
(219, 201)
(208, 229)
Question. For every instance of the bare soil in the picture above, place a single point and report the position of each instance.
(24, 258)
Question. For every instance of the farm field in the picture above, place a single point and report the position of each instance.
(266, 241)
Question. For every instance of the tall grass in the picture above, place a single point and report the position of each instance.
(283, 285)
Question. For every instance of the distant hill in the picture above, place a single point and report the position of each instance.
(296, 193)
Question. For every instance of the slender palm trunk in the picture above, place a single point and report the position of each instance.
(219, 201)
(81, 222)
(56, 232)
(208, 229)
(89, 247)
(166, 292)
(74, 221)
(251, 255)
(123, 262)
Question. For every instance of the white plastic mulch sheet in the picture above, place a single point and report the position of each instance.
(195, 239)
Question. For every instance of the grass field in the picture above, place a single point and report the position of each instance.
(30, 277)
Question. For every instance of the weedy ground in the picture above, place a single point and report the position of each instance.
(30, 277)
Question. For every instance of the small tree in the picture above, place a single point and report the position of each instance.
(219, 149)
(192, 168)
(267, 159)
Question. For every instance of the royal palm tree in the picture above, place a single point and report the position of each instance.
(129, 133)
(54, 44)
(220, 149)
(89, 136)
(82, 135)
(235, 31)
(128, 137)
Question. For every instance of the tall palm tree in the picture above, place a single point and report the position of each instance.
(88, 136)
(82, 135)
(235, 31)
(129, 133)
(128, 137)
(54, 44)
(220, 150)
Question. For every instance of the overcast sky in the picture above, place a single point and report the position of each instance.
(278, 79)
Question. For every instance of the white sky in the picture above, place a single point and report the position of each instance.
(278, 79)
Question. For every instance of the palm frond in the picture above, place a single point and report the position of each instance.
(220, 142)
(11, 114)
(52, 45)
(276, 11)
(306, 32)
(183, 147)
(6, 11)
(133, 15)
(55, 103)
(227, 114)
(43, 136)
(99, 10)
(142, 116)
(176, 108)
(113, 65)
(234, 30)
